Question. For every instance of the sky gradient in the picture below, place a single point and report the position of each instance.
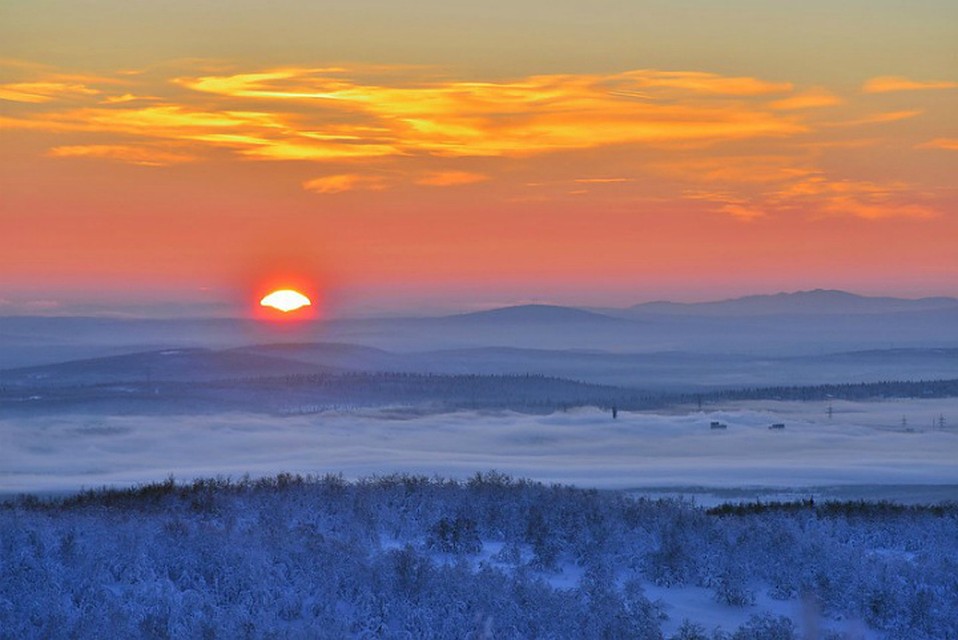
(440, 156)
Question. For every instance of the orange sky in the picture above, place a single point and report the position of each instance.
(405, 173)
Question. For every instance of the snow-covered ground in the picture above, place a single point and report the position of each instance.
(891, 443)
(680, 603)
(698, 605)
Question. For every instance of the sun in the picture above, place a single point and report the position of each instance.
(285, 297)
(285, 300)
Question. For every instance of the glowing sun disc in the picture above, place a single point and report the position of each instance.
(285, 300)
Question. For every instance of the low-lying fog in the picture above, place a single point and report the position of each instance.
(898, 442)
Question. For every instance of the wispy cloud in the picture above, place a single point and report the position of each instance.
(345, 182)
(753, 168)
(811, 99)
(697, 82)
(759, 143)
(142, 155)
(526, 116)
(878, 118)
(37, 83)
(450, 178)
(858, 198)
(38, 92)
(885, 84)
(950, 144)
(330, 113)
(785, 185)
(742, 211)
(602, 180)
(127, 97)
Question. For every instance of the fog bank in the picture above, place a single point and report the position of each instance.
(862, 443)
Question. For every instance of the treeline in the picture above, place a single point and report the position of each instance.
(531, 393)
(834, 508)
(846, 391)
(540, 393)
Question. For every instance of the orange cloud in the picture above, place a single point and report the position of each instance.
(884, 84)
(742, 212)
(528, 116)
(757, 186)
(260, 135)
(747, 169)
(698, 82)
(859, 198)
(344, 182)
(145, 156)
(602, 180)
(879, 118)
(814, 99)
(875, 210)
(755, 145)
(728, 203)
(330, 114)
(39, 92)
(950, 144)
(126, 97)
(39, 84)
(450, 178)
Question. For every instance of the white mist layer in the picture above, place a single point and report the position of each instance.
(863, 443)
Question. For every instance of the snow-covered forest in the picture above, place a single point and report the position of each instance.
(491, 557)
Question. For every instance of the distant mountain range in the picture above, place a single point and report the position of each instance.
(817, 301)
(785, 324)
(804, 303)
(534, 313)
